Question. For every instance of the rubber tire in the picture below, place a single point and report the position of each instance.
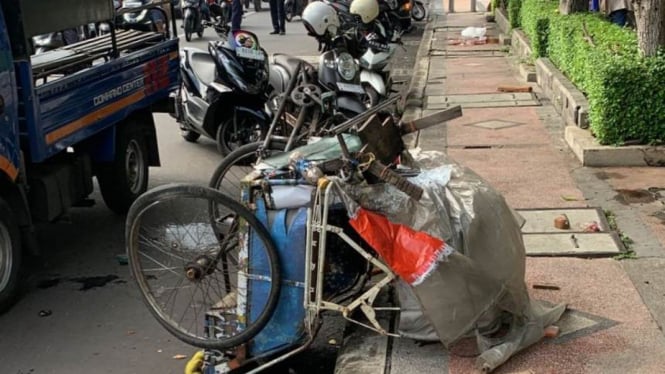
(182, 190)
(257, 6)
(190, 136)
(9, 293)
(238, 154)
(112, 177)
(188, 25)
(372, 96)
(423, 11)
(222, 147)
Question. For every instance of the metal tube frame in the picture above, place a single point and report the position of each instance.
(317, 222)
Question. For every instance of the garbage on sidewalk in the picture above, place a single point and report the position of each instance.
(460, 257)
(473, 36)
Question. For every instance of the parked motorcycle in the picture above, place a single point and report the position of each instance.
(418, 12)
(147, 19)
(223, 94)
(192, 18)
(220, 14)
(294, 8)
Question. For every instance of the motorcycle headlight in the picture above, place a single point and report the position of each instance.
(407, 6)
(346, 66)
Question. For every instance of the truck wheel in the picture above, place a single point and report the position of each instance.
(10, 257)
(126, 178)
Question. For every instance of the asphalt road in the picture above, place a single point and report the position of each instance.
(81, 311)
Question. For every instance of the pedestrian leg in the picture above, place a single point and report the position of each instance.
(282, 16)
(274, 15)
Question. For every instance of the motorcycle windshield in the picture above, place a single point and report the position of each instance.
(246, 62)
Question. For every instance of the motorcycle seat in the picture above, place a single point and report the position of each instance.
(290, 63)
(203, 66)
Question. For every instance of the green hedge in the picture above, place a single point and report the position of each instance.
(535, 21)
(626, 92)
(514, 13)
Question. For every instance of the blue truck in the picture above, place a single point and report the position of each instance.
(72, 114)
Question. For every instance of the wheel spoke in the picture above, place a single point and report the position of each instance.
(188, 268)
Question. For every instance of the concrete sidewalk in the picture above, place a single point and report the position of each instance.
(515, 141)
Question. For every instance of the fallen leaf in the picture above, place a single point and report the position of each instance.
(568, 198)
(180, 357)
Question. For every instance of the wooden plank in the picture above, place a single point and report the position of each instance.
(431, 120)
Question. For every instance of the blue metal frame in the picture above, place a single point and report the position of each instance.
(9, 145)
(68, 110)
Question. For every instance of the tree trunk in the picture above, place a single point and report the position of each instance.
(650, 19)
(573, 6)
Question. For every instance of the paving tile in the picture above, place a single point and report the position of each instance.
(567, 244)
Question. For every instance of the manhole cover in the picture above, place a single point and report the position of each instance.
(495, 124)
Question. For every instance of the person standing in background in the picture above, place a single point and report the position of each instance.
(236, 14)
(278, 16)
(617, 11)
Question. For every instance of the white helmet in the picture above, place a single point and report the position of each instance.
(319, 17)
(368, 10)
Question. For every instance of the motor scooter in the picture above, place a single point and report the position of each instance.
(223, 93)
(192, 18)
(147, 19)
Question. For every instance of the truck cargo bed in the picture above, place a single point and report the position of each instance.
(62, 60)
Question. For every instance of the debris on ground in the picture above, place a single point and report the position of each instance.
(45, 313)
(179, 357)
(514, 89)
(332, 341)
(552, 331)
(122, 259)
(546, 286)
(562, 222)
(591, 227)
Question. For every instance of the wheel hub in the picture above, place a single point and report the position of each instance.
(199, 268)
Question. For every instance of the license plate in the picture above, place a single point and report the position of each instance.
(347, 87)
(251, 54)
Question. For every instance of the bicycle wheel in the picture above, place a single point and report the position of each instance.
(236, 165)
(212, 284)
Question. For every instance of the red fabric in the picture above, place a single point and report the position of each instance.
(410, 254)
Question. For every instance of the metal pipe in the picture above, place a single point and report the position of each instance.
(282, 105)
(283, 357)
(346, 125)
(296, 129)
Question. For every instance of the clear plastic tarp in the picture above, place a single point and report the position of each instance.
(479, 287)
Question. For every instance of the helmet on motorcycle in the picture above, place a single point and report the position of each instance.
(368, 10)
(320, 18)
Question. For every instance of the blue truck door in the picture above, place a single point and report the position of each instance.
(9, 143)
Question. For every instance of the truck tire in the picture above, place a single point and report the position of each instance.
(126, 178)
(10, 257)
